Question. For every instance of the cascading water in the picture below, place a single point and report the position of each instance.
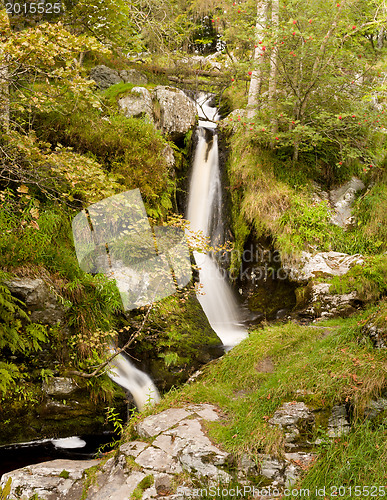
(138, 383)
(205, 216)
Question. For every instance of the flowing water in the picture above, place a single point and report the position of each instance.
(138, 383)
(205, 216)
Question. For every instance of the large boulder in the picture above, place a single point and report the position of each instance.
(104, 77)
(175, 113)
(137, 103)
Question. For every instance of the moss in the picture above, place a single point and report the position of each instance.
(145, 483)
(368, 280)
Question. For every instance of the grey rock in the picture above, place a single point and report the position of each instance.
(325, 304)
(292, 414)
(158, 460)
(39, 298)
(45, 481)
(137, 103)
(133, 448)
(271, 468)
(376, 332)
(175, 113)
(338, 424)
(375, 408)
(163, 484)
(115, 486)
(59, 386)
(323, 264)
(342, 200)
(153, 425)
(133, 76)
(104, 77)
(169, 156)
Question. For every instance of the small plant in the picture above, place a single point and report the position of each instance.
(65, 474)
(4, 492)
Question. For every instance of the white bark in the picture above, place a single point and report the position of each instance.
(274, 65)
(4, 76)
(256, 77)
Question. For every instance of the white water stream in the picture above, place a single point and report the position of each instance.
(204, 214)
(137, 382)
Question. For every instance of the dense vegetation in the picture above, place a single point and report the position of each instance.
(303, 85)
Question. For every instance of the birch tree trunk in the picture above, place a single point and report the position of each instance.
(4, 73)
(273, 67)
(256, 76)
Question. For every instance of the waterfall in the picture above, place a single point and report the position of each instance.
(138, 383)
(205, 216)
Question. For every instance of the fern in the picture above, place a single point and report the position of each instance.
(9, 374)
(17, 335)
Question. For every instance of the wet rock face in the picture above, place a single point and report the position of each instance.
(59, 386)
(342, 200)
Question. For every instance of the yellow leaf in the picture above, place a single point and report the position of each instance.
(35, 213)
(22, 189)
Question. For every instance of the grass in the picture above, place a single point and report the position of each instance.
(354, 466)
(322, 365)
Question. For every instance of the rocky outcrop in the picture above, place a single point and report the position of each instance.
(39, 298)
(54, 480)
(137, 103)
(170, 109)
(316, 299)
(376, 331)
(320, 265)
(324, 304)
(178, 444)
(175, 113)
(297, 422)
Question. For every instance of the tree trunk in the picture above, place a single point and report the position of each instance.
(273, 68)
(256, 77)
(4, 73)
